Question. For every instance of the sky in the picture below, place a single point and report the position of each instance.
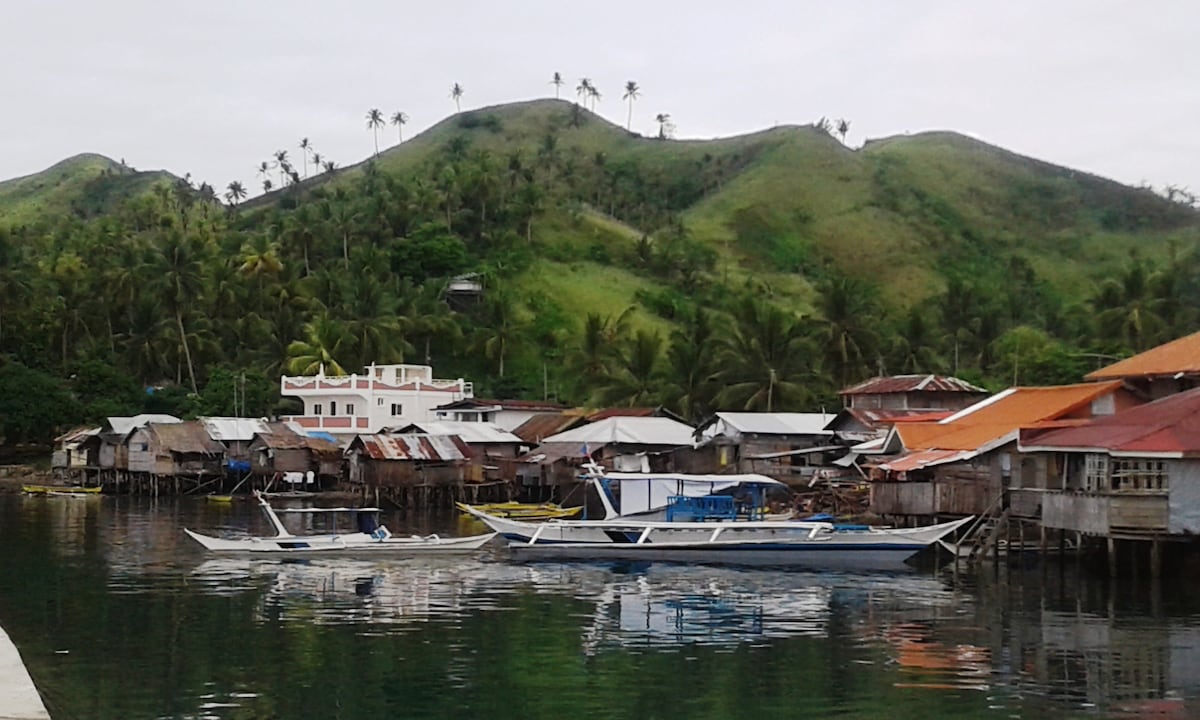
(215, 87)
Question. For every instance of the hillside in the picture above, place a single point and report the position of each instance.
(782, 204)
(764, 271)
(83, 186)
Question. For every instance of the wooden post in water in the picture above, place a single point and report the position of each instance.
(1112, 557)
(1156, 559)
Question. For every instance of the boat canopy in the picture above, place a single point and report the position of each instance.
(646, 492)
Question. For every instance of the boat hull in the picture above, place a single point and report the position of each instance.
(765, 543)
(790, 555)
(347, 544)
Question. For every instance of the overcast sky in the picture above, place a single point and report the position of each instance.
(214, 87)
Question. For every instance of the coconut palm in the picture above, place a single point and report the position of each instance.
(662, 119)
(264, 169)
(851, 314)
(235, 193)
(330, 166)
(632, 92)
(690, 387)
(267, 185)
(636, 374)
(398, 119)
(281, 162)
(594, 94)
(557, 81)
(456, 93)
(766, 361)
(305, 147)
(583, 89)
(843, 126)
(181, 275)
(316, 162)
(325, 345)
(374, 122)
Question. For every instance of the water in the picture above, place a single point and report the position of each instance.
(118, 615)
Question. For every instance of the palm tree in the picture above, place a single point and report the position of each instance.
(281, 162)
(264, 169)
(843, 127)
(584, 88)
(557, 82)
(594, 94)
(316, 162)
(851, 314)
(765, 360)
(267, 185)
(632, 91)
(662, 119)
(690, 368)
(234, 193)
(635, 381)
(456, 93)
(182, 277)
(304, 148)
(374, 122)
(325, 345)
(330, 166)
(398, 119)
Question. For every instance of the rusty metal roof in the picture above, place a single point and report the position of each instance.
(280, 436)
(439, 448)
(912, 383)
(542, 426)
(1166, 427)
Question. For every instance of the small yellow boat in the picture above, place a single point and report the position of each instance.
(220, 498)
(524, 511)
(59, 490)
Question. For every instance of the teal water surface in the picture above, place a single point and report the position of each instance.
(119, 615)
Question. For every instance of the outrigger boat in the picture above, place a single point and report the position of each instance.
(707, 529)
(59, 490)
(522, 511)
(370, 539)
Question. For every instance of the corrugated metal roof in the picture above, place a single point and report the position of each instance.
(926, 458)
(438, 448)
(912, 383)
(1167, 426)
(282, 436)
(472, 433)
(190, 438)
(123, 425)
(76, 436)
(760, 423)
(1001, 415)
(539, 427)
(1178, 356)
(628, 431)
(228, 429)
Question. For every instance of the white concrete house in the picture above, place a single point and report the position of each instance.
(382, 396)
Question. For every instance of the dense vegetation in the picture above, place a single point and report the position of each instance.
(758, 272)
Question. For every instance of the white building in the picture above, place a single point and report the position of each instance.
(383, 396)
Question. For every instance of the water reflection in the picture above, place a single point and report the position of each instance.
(267, 638)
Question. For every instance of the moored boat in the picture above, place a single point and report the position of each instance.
(371, 538)
(709, 529)
(59, 490)
(523, 511)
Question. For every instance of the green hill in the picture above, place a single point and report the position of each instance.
(83, 186)
(778, 257)
(782, 204)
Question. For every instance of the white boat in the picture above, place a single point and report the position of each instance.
(818, 545)
(370, 539)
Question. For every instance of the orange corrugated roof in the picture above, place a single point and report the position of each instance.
(1177, 356)
(1000, 415)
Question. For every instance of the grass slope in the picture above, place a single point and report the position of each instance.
(82, 186)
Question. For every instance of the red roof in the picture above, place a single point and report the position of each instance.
(1170, 426)
(912, 383)
(1177, 356)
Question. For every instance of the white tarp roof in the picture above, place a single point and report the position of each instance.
(645, 492)
(628, 431)
(470, 432)
(225, 429)
(734, 424)
(126, 425)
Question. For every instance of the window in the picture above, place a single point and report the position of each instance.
(397, 409)
(317, 409)
(333, 407)
(349, 408)
(1139, 476)
(379, 402)
(1095, 472)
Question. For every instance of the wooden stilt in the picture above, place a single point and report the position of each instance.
(1156, 559)
(1112, 557)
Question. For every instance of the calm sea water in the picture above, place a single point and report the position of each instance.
(118, 615)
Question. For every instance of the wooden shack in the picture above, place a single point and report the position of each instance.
(166, 455)
(785, 446)
(410, 470)
(279, 450)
